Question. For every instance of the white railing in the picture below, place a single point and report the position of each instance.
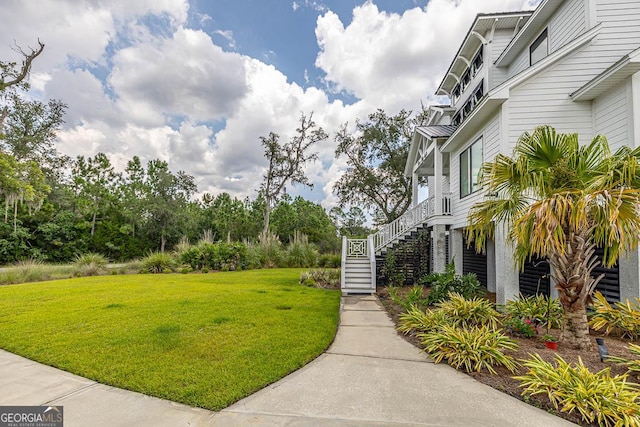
(357, 248)
(409, 220)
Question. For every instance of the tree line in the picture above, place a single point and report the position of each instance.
(56, 207)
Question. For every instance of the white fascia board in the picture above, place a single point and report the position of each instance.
(623, 68)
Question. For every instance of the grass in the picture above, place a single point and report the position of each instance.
(203, 340)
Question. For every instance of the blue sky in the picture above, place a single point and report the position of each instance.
(197, 82)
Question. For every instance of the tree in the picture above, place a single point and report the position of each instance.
(561, 200)
(94, 181)
(287, 161)
(350, 223)
(376, 157)
(13, 77)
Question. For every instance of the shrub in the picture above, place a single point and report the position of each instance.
(443, 283)
(417, 320)
(540, 308)
(624, 318)
(632, 365)
(468, 312)
(470, 348)
(31, 270)
(90, 264)
(517, 326)
(412, 298)
(158, 262)
(325, 278)
(330, 261)
(301, 253)
(390, 271)
(597, 397)
(267, 253)
(205, 270)
(192, 256)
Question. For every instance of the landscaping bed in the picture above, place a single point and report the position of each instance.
(503, 379)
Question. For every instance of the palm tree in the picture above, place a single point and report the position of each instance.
(561, 200)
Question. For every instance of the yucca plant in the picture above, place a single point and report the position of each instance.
(469, 312)
(158, 262)
(622, 317)
(90, 264)
(417, 320)
(632, 365)
(597, 397)
(544, 309)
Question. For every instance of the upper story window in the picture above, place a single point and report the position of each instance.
(469, 105)
(470, 164)
(467, 76)
(539, 48)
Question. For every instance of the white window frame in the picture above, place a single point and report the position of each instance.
(542, 41)
(472, 180)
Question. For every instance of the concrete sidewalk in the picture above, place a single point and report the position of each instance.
(369, 376)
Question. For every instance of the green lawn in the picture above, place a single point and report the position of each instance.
(202, 339)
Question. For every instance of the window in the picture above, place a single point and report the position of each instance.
(470, 163)
(539, 49)
(476, 64)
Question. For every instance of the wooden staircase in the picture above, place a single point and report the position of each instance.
(358, 266)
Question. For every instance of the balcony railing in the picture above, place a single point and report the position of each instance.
(408, 221)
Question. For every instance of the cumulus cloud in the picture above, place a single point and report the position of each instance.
(186, 75)
(393, 60)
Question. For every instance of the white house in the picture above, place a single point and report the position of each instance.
(571, 64)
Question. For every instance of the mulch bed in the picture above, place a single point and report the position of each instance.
(504, 382)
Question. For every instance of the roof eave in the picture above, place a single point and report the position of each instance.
(623, 68)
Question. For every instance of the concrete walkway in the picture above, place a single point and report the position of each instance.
(369, 377)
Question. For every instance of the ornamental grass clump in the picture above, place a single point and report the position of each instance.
(417, 320)
(597, 397)
(469, 312)
(542, 309)
(623, 317)
(471, 349)
(158, 262)
(90, 264)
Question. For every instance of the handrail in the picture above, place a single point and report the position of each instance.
(407, 221)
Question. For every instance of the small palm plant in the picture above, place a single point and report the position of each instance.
(561, 200)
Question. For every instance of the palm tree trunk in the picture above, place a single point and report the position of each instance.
(571, 271)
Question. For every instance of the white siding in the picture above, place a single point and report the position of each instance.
(490, 134)
(569, 21)
(621, 27)
(611, 115)
(544, 100)
(501, 39)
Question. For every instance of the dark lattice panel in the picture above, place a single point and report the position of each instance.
(473, 262)
(609, 286)
(535, 278)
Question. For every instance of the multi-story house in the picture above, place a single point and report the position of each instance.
(571, 64)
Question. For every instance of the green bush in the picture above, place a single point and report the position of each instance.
(330, 261)
(417, 320)
(393, 275)
(267, 253)
(301, 253)
(90, 264)
(205, 270)
(468, 312)
(597, 397)
(632, 365)
(520, 327)
(192, 256)
(325, 278)
(443, 283)
(624, 318)
(158, 262)
(471, 349)
(412, 298)
(541, 308)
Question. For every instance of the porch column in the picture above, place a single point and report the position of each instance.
(414, 189)
(456, 242)
(437, 179)
(629, 270)
(439, 248)
(506, 273)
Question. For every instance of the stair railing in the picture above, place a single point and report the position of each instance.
(404, 223)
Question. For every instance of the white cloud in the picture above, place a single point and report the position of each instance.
(295, 6)
(394, 60)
